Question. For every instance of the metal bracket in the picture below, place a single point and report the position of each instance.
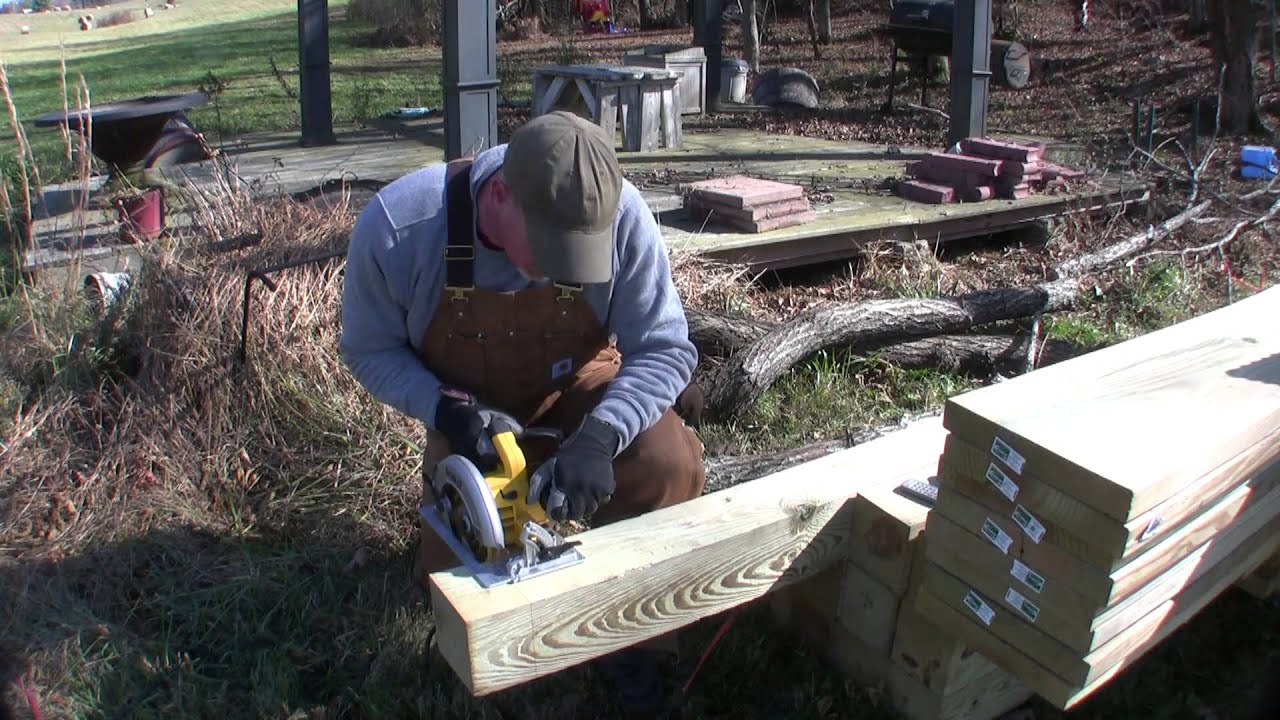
(543, 552)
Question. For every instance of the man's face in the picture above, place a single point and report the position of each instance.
(514, 232)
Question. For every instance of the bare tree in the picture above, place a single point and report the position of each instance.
(1233, 29)
(646, 14)
(824, 21)
(750, 35)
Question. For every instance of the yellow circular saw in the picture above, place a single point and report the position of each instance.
(487, 520)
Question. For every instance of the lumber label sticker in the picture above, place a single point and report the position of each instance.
(998, 537)
(1008, 455)
(1022, 605)
(996, 477)
(1029, 577)
(1028, 523)
(979, 608)
(1150, 529)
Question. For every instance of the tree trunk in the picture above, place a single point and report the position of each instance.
(646, 14)
(718, 335)
(813, 30)
(750, 35)
(680, 13)
(824, 21)
(1234, 26)
(744, 378)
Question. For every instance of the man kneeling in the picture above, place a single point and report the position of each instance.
(531, 283)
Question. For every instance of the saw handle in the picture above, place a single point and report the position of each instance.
(509, 452)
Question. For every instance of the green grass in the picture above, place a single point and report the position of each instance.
(232, 55)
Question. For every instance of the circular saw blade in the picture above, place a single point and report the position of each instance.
(472, 512)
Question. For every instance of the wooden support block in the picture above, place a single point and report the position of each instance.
(647, 576)
(886, 528)
(926, 192)
(962, 685)
(868, 609)
(984, 167)
(986, 147)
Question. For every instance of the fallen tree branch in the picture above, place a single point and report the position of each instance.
(744, 378)
(1130, 246)
(1217, 245)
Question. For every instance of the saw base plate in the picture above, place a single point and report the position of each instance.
(502, 571)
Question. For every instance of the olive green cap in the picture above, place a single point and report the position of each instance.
(565, 176)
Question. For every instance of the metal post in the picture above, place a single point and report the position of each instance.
(313, 67)
(708, 32)
(470, 77)
(970, 69)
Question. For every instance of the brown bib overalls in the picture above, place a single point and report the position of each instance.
(540, 355)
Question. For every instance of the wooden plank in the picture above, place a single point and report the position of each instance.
(1123, 650)
(650, 575)
(1007, 539)
(1085, 590)
(1110, 427)
(1083, 530)
(1083, 632)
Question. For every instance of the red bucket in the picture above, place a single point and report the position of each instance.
(142, 216)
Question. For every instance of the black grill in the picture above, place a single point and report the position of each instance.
(922, 27)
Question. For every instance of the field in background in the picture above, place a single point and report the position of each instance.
(243, 52)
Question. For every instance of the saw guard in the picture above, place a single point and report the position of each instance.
(457, 473)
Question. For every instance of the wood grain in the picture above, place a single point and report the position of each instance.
(1109, 427)
(660, 572)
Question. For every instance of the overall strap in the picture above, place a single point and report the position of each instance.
(460, 252)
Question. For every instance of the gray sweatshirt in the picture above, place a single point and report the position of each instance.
(395, 273)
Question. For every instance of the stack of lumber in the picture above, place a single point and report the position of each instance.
(748, 204)
(860, 612)
(1088, 509)
(982, 170)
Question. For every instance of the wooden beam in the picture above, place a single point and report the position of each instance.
(660, 572)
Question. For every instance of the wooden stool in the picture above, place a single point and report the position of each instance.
(648, 98)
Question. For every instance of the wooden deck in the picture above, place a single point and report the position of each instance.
(858, 212)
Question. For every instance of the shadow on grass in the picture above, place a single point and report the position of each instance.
(185, 622)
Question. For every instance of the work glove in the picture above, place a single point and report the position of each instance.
(469, 426)
(578, 479)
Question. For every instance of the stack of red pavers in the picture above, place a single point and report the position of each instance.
(982, 170)
(748, 204)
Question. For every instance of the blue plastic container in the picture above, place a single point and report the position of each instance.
(1257, 162)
